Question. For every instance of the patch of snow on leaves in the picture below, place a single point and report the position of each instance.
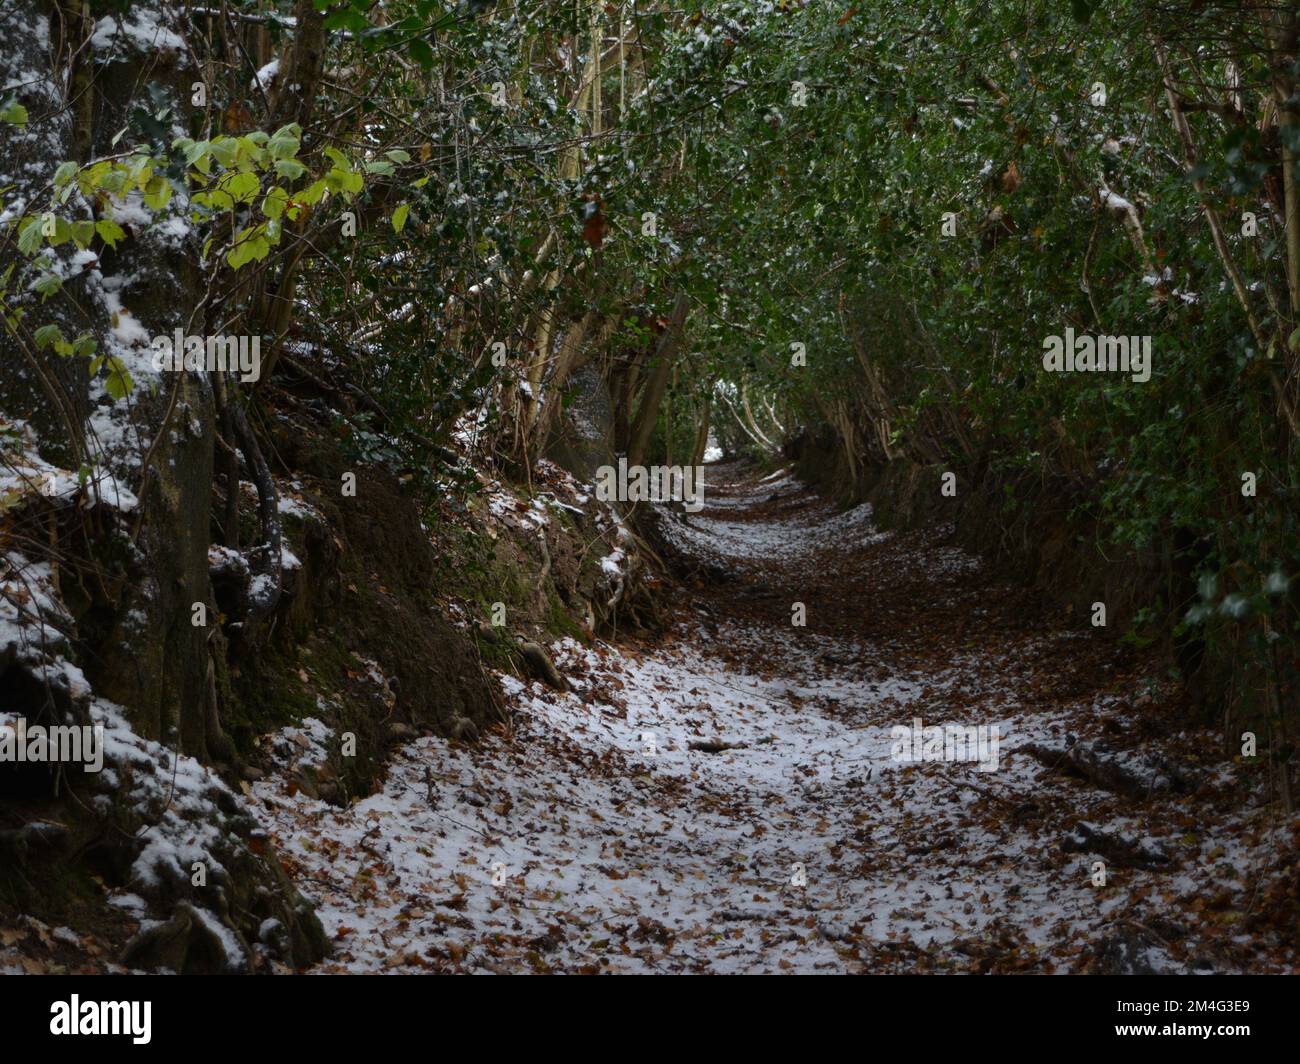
(138, 30)
(178, 799)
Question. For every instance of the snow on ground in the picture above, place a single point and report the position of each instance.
(23, 470)
(596, 837)
(617, 846)
(722, 535)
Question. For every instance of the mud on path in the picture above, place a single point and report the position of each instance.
(725, 799)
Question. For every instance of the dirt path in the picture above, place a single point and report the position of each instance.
(727, 800)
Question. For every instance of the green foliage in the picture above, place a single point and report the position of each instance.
(823, 224)
(800, 164)
(222, 178)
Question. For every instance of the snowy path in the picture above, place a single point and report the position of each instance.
(596, 839)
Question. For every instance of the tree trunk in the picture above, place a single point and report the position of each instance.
(702, 430)
(665, 354)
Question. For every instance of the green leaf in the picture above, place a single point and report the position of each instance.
(48, 284)
(344, 181)
(285, 142)
(64, 174)
(157, 193)
(1082, 9)
(29, 236)
(250, 244)
(225, 150)
(421, 52)
(399, 216)
(13, 112)
(242, 188)
(109, 231)
(113, 181)
(274, 202)
(46, 335)
(240, 255)
(338, 159)
(312, 193)
(290, 168)
(83, 232)
(119, 383)
(346, 18)
(62, 232)
(141, 170)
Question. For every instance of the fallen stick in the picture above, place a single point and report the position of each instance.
(713, 746)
